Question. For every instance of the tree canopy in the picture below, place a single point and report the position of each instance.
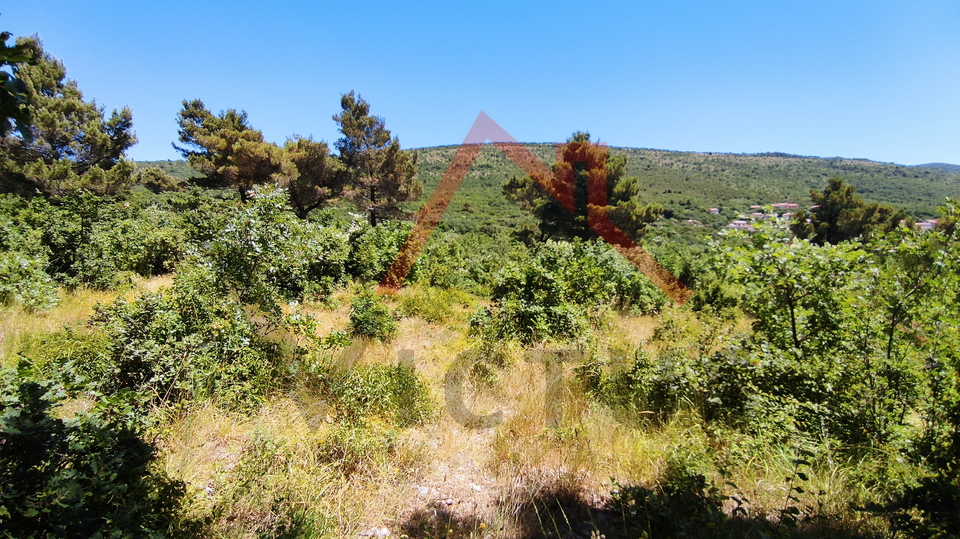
(318, 174)
(227, 150)
(72, 144)
(555, 221)
(14, 99)
(377, 173)
(840, 214)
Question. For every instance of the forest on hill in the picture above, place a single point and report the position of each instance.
(203, 348)
(687, 184)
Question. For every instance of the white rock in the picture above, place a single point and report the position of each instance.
(476, 488)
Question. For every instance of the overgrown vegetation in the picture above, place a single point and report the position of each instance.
(239, 377)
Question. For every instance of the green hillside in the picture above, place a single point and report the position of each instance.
(179, 169)
(687, 184)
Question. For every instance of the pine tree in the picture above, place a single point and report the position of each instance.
(227, 150)
(378, 174)
(318, 175)
(623, 208)
(72, 144)
(840, 214)
(14, 99)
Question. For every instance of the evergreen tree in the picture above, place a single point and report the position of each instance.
(840, 215)
(14, 99)
(318, 175)
(377, 173)
(227, 150)
(624, 209)
(72, 144)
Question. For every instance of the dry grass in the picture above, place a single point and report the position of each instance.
(253, 473)
(75, 307)
(521, 478)
(16, 323)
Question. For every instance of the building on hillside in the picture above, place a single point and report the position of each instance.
(929, 224)
(740, 224)
(785, 206)
(715, 210)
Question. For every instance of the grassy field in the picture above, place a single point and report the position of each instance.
(293, 464)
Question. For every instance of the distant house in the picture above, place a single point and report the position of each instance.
(758, 215)
(788, 215)
(929, 224)
(715, 210)
(756, 207)
(740, 225)
(785, 206)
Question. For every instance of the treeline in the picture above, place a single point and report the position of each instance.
(67, 145)
(835, 340)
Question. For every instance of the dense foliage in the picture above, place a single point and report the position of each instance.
(830, 345)
(73, 145)
(90, 475)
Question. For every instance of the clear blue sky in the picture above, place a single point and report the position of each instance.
(873, 79)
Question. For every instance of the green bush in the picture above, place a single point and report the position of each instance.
(531, 304)
(373, 249)
(144, 242)
(267, 256)
(393, 392)
(24, 281)
(91, 475)
(432, 304)
(97, 241)
(562, 290)
(370, 318)
(186, 343)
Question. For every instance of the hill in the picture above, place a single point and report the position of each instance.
(179, 169)
(687, 184)
(945, 167)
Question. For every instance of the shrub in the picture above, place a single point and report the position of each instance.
(374, 248)
(681, 505)
(23, 280)
(562, 290)
(91, 475)
(145, 242)
(393, 392)
(181, 344)
(267, 256)
(369, 318)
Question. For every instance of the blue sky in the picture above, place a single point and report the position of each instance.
(877, 80)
